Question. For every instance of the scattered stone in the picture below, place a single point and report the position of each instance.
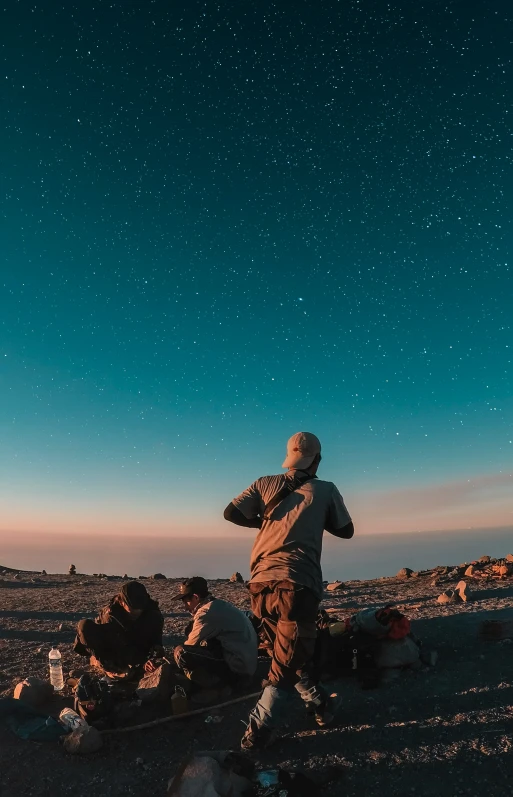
(158, 576)
(236, 578)
(509, 557)
(504, 571)
(469, 572)
(139, 761)
(456, 573)
(43, 572)
(125, 577)
(335, 585)
(405, 572)
(495, 630)
(17, 577)
(33, 691)
(463, 591)
(155, 686)
(485, 560)
(72, 570)
(83, 741)
(415, 574)
(448, 597)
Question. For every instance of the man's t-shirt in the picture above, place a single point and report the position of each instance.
(289, 545)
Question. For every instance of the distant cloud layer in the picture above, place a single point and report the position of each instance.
(485, 500)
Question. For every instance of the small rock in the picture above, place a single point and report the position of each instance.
(463, 591)
(83, 742)
(43, 572)
(485, 560)
(509, 557)
(405, 572)
(155, 686)
(158, 577)
(33, 691)
(125, 576)
(72, 570)
(448, 597)
(236, 578)
(469, 572)
(415, 574)
(335, 585)
(139, 761)
(17, 577)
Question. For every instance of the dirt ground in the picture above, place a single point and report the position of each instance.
(441, 731)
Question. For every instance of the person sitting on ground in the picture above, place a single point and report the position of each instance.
(221, 646)
(125, 634)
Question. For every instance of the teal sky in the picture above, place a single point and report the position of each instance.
(224, 223)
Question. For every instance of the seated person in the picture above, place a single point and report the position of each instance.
(221, 646)
(125, 633)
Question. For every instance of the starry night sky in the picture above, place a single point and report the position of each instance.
(224, 222)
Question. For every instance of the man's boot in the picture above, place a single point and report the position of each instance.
(324, 707)
(265, 718)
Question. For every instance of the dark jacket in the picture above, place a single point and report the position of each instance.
(130, 641)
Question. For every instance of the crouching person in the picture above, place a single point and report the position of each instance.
(221, 646)
(125, 634)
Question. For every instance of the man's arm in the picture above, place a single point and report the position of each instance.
(202, 628)
(345, 533)
(338, 519)
(234, 515)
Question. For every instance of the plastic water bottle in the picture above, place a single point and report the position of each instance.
(56, 676)
(70, 719)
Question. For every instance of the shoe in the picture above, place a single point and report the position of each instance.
(326, 713)
(256, 739)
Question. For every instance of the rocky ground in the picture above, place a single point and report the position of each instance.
(441, 731)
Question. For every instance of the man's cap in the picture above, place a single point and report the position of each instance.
(191, 586)
(135, 595)
(302, 448)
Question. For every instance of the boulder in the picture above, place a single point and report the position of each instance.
(83, 741)
(448, 597)
(236, 578)
(469, 572)
(72, 570)
(504, 570)
(405, 572)
(509, 557)
(33, 691)
(158, 577)
(485, 560)
(155, 686)
(335, 585)
(212, 774)
(463, 591)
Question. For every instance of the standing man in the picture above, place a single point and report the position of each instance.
(291, 510)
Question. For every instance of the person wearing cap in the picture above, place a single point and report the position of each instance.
(125, 633)
(291, 511)
(221, 645)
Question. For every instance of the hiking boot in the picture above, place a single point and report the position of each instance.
(326, 713)
(256, 739)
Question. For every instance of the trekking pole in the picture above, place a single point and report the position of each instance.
(163, 720)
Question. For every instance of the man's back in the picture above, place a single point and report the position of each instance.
(289, 544)
(221, 620)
